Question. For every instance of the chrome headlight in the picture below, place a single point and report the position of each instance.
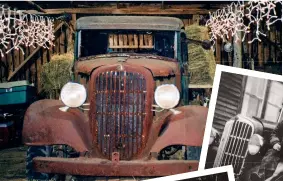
(213, 134)
(167, 96)
(255, 143)
(73, 94)
(211, 139)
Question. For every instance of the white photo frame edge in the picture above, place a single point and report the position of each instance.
(199, 173)
(213, 99)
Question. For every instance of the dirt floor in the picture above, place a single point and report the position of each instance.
(12, 163)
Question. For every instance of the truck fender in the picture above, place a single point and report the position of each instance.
(45, 124)
(186, 128)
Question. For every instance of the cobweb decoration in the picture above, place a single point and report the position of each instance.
(19, 29)
(229, 21)
(259, 10)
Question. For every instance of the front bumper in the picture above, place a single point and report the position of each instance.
(102, 167)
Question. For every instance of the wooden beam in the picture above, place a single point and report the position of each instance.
(12, 74)
(134, 10)
(36, 6)
(23, 63)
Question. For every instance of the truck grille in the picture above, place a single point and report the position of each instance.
(120, 113)
(233, 147)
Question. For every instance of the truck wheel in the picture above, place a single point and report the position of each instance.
(36, 151)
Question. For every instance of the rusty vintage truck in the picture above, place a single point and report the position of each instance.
(127, 103)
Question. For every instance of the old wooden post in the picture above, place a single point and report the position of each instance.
(237, 57)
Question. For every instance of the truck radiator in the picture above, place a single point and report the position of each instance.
(120, 113)
(233, 146)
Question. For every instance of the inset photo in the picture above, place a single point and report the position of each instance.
(215, 174)
(244, 126)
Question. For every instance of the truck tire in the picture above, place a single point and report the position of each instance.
(36, 151)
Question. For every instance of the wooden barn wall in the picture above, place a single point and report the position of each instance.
(229, 98)
(267, 55)
(16, 66)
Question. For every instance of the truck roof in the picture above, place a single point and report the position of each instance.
(130, 23)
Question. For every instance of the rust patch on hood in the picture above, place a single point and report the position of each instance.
(156, 64)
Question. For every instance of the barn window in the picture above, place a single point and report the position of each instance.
(254, 96)
(274, 102)
(263, 99)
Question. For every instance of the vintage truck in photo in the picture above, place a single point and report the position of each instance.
(248, 110)
(243, 144)
(127, 103)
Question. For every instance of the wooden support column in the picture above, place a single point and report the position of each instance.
(39, 62)
(70, 33)
(230, 56)
(218, 51)
(186, 22)
(260, 57)
(237, 57)
(196, 19)
(16, 58)
(62, 41)
(73, 21)
(32, 63)
(3, 69)
(10, 60)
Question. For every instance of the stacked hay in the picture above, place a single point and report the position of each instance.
(201, 62)
(56, 73)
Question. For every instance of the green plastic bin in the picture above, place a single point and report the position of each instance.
(18, 92)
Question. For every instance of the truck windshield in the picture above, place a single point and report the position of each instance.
(96, 42)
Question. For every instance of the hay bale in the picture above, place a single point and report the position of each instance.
(56, 73)
(201, 62)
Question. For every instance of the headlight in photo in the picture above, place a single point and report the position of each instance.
(255, 144)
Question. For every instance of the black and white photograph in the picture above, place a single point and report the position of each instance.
(224, 173)
(122, 89)
(247, 127)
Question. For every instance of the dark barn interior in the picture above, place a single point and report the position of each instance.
(265, 56)
(15, 66)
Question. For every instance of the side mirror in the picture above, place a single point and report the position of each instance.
(206, 44)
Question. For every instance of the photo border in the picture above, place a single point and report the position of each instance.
(213, 99)
(200, 173)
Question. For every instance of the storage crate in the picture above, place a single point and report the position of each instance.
(19, 92)
(7, 133)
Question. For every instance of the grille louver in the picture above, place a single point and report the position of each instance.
(234, 143)
(119, 112)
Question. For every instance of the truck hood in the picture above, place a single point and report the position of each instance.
(159, 66)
